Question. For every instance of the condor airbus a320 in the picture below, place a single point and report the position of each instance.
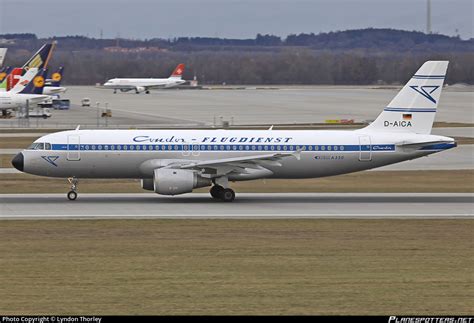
(173, 162)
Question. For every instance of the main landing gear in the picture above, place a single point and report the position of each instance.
(72, 194)
(224, 194)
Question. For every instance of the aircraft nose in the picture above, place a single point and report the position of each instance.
(18, 161)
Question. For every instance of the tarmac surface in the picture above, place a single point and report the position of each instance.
(247, 105)
(246, 205)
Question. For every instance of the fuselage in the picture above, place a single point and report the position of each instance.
(15, 100)
(145, 83)
(127, 153)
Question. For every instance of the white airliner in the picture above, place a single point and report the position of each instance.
(144, 84)
(173, 162)
(28, 89)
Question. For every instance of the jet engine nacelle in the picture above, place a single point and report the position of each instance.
(168, 181)
(140, 89)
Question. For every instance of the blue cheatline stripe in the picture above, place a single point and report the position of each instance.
(439, 146)
(409, 109)
(202, 147)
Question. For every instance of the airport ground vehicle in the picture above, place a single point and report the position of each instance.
(86, 102)
(36, 113)
(61, 104)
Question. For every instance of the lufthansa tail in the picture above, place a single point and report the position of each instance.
(37, 84)
(56, 78)
(41, 58)
(414, 107)
(30, 83)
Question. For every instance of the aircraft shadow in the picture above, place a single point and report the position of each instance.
(240, 200)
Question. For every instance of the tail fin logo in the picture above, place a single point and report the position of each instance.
(36, 62)
(426, 91)
(2, 76)
(38, 81)
(56, 77)
(178, 71)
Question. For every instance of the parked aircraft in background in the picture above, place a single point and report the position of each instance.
(173, 162)
(39, 60)
(53, 85)
(146, 84)
(28, 90)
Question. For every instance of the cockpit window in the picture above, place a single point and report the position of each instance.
(40, 146)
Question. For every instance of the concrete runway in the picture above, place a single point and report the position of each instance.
(261, 205)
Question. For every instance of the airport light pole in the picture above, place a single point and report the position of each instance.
(106, 114)
(98, 108)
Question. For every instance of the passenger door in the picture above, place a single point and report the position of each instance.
(73, 148)
(365, 148)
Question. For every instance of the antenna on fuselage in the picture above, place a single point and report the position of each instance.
(271, 128)
(78, 127)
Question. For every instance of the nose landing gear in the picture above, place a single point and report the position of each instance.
(72, 194)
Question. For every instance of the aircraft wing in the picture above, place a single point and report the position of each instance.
(154, 86)
(224, 166)
(38, 98)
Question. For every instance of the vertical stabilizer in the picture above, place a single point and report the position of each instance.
(56, 77)
(24, 80)
(178, 71)
(414, 108)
